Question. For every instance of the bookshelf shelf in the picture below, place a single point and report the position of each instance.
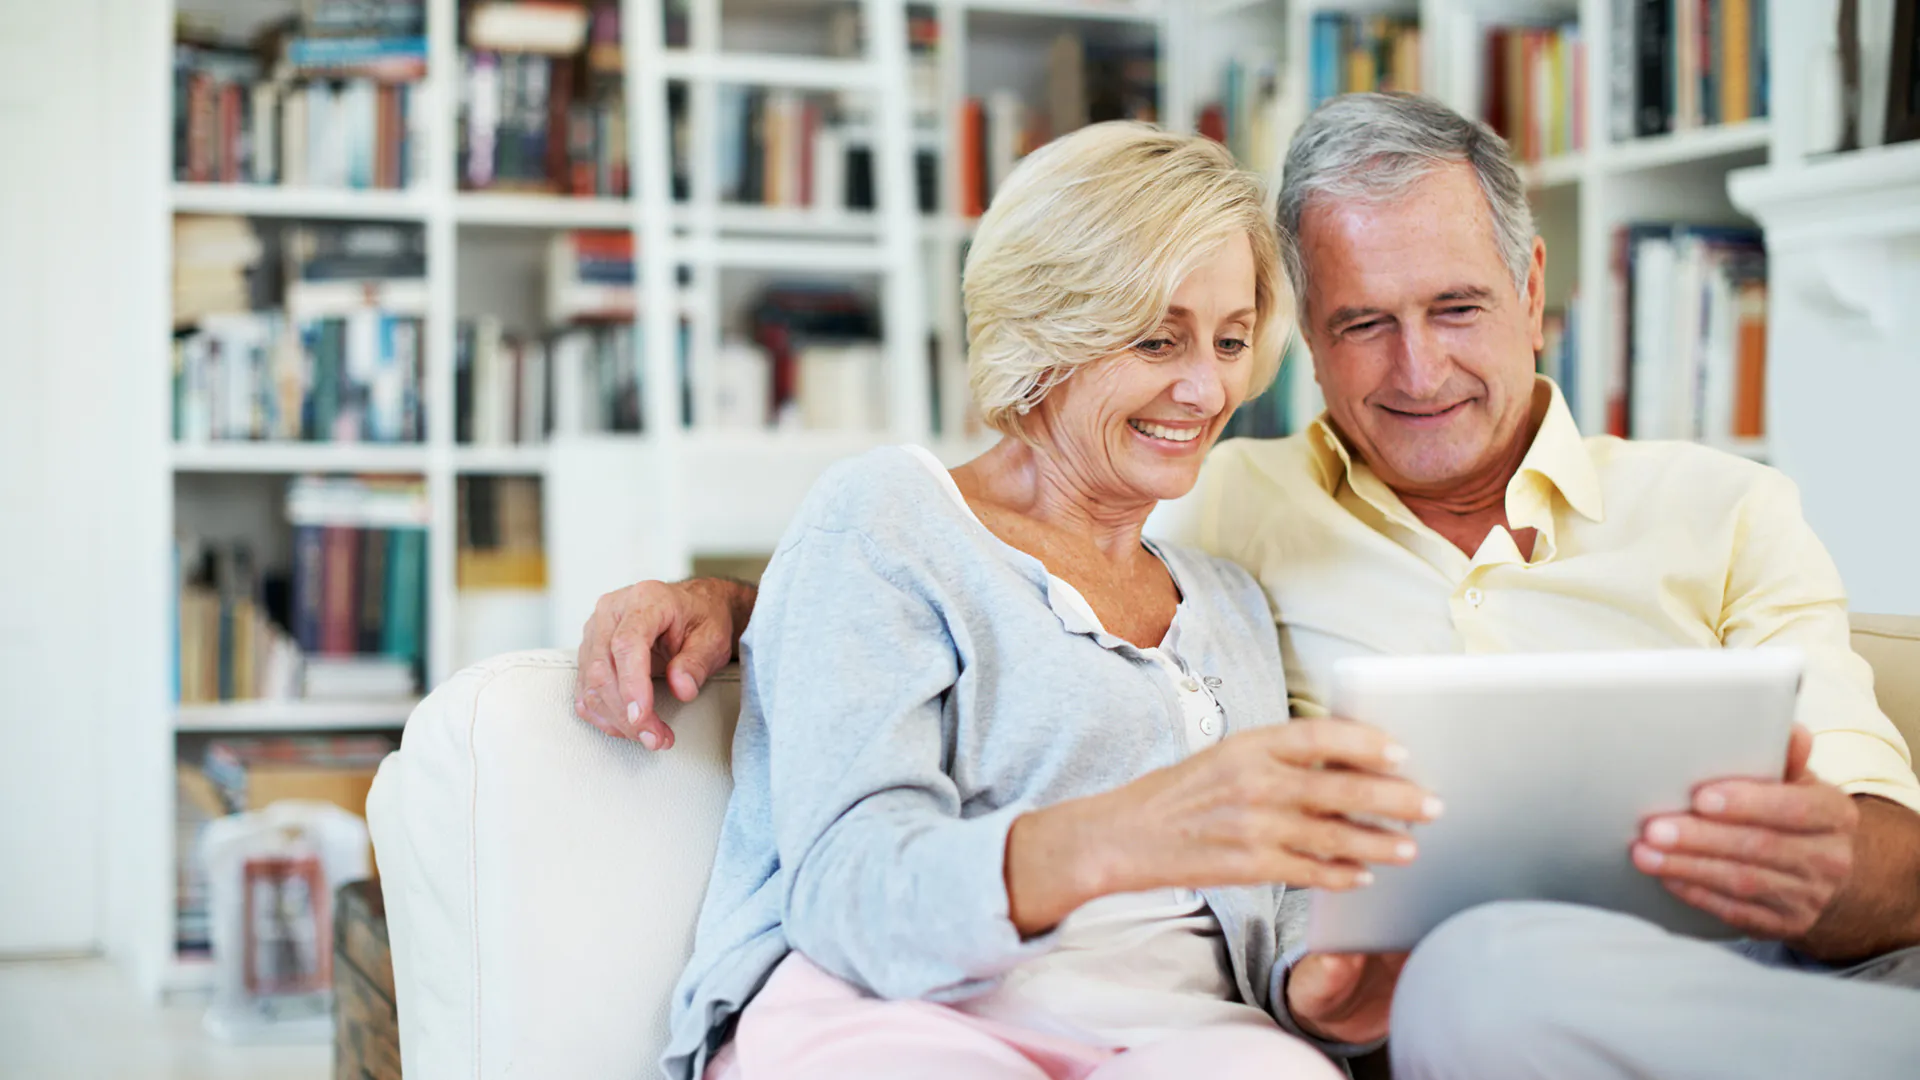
(796, 255)
(772, 69)
(500, 460)
(790, 221)
(1093, 10)
(265, 200)
(542, 211)
(261, 457)
(1682, 147)
(1554, 172)
(293, 715)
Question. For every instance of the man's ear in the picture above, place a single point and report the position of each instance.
(1537, 294)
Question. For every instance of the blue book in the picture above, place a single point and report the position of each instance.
(1758, 63)
(1326, 56)
(406, 589)
(350, 55)
(309, 561)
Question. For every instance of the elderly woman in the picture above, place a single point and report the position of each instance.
(1014, 792)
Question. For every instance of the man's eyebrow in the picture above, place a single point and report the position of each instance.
(1465, 292)
(1348, 314)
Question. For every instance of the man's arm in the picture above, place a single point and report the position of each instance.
(689, 630)
(1878, 908)
(1829, 859)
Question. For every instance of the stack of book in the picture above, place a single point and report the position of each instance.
(228, 644)
(213, 262)
(359, 583)
(1690, 361)
(1360, 53)
(342, 364)
(1244, 116)
(596, 373)
(1086, 83)
(1535, 88)
(824, 357)
(326, 100)
(1559, 360)
(500, 385)
(499, 540)
(590, 277)
(542, 105)
(1685, 64)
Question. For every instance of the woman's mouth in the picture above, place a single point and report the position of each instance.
(1166, 433)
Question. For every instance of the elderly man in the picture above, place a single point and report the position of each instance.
(1446, 503)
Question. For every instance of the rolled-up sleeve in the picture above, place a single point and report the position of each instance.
(1783, 589)
(888, 886)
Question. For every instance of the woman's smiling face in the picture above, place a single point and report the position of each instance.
(1134, 426)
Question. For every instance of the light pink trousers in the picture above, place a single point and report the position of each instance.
(807, 1025)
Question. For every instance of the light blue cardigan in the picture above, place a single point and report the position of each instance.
(909, 691)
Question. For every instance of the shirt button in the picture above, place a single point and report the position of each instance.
(1190, 685)
(1474, 597)
(1209, 726)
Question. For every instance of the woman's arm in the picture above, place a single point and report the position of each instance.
(848, 664)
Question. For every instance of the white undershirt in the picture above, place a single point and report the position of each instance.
(1130, 968)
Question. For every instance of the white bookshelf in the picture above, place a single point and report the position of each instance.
(673, 495)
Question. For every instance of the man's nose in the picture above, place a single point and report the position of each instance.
(1423, 361)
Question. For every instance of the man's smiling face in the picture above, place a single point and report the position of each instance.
(1421, 345)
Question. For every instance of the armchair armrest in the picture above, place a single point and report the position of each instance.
(542, 879)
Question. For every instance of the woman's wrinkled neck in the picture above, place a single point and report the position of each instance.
(1050, 485)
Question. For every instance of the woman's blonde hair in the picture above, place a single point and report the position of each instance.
(1083, 248)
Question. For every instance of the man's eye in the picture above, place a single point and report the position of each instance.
(1364, 327)
(1462, 311)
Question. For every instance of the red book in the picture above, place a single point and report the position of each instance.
(1497, 91)
(339, 590)
(229, 134)
(973, 200)
(1213, 123)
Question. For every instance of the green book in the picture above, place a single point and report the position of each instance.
(406, 593)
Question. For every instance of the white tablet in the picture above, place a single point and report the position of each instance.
(1549, 764)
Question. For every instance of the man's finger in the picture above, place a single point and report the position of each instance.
(629, 647)
(1799, 752)
(1752, 919)
(1805, 806)
(1690, 834)
(1759, 886)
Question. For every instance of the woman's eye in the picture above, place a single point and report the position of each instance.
(1231, 346)
(1156, 346)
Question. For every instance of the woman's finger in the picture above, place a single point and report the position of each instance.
(1336, 839)
(1328, 741)
(1347, 793)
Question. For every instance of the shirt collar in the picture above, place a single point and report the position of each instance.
(1558, 459)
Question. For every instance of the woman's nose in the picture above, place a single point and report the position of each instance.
(1200, 387)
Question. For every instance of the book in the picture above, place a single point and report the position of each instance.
(1693, 307)
(1532, 93)
(1350, 53)
(552, 27)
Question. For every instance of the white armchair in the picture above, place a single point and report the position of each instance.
(542, 879)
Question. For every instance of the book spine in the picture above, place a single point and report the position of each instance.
(1653, 50)
(341, 582)
(406, 577)
(309, 579)
(371, 609)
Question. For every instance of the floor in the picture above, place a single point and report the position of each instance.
(82, 1020)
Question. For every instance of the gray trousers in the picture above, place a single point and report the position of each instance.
(1561, 992)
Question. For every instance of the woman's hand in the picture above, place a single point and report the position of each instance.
(1264, 806)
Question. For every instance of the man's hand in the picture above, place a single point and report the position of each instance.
(1766, 857)
(688, 629)
(1344, 997)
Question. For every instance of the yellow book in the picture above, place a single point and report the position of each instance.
(1736, 60)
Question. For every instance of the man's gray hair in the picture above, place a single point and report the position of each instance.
(1373, 147)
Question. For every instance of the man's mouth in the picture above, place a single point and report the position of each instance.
(1162, 431)
(1425, 413)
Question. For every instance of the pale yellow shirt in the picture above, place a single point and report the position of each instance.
(1639, 545)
